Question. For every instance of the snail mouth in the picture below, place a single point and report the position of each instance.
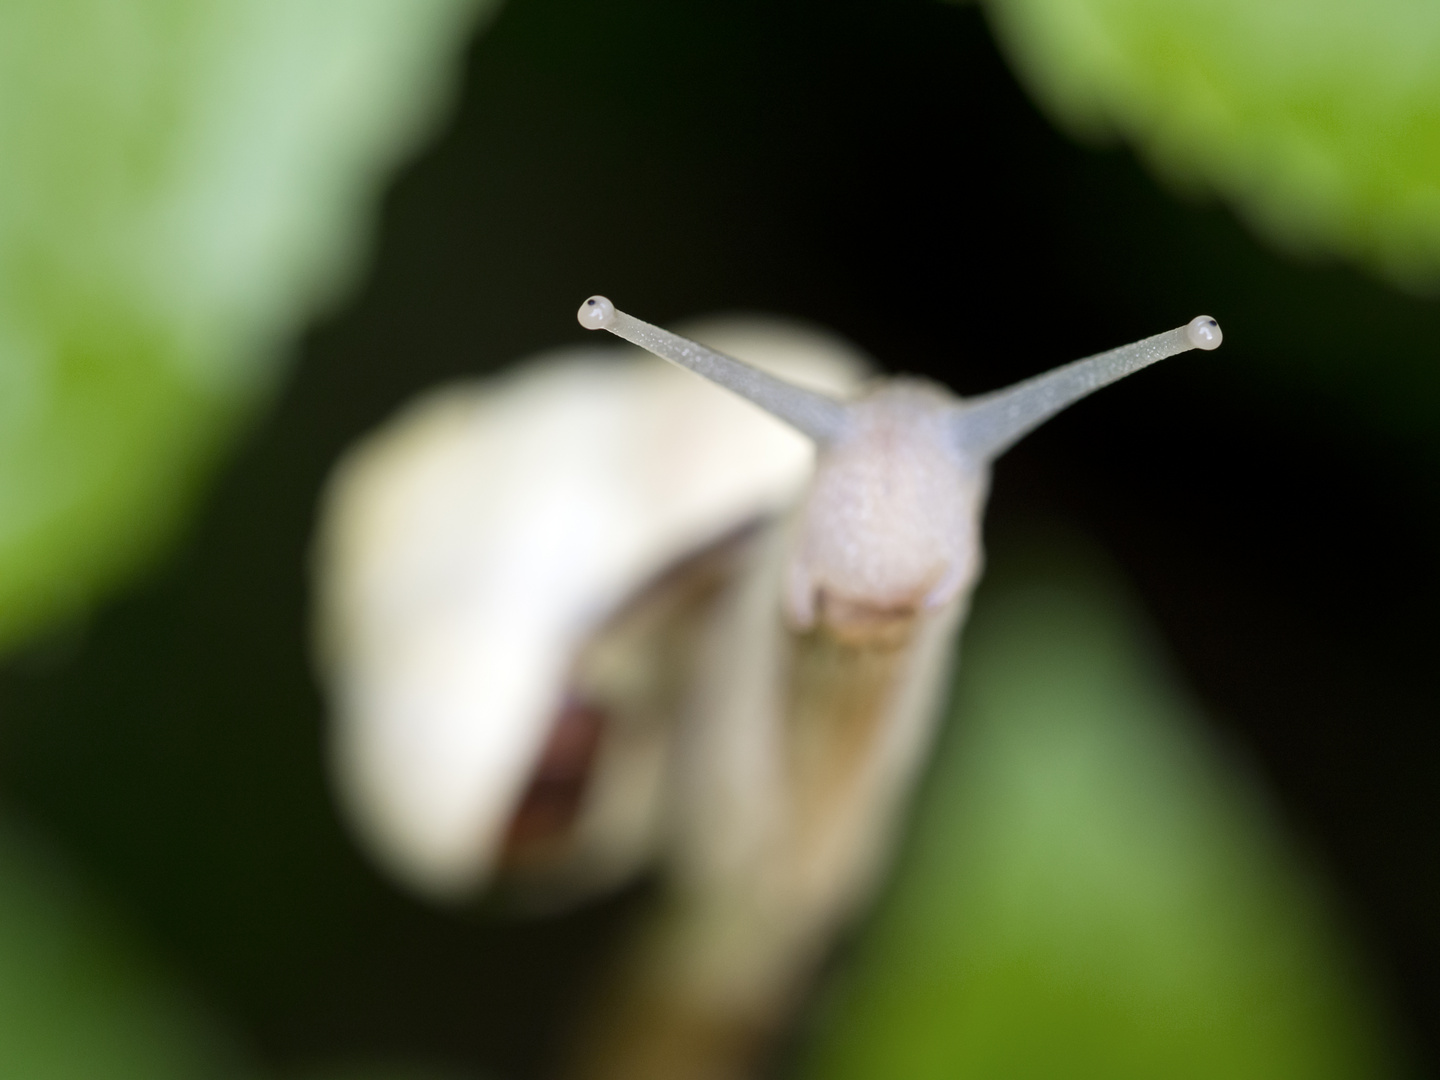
(867, 624)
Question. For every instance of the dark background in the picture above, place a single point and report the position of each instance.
(873, 167)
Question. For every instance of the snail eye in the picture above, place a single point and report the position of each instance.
(1204, 332)
(596, 313)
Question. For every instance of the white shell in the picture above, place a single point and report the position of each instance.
(469, 547)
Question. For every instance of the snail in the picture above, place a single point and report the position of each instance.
(595, 617)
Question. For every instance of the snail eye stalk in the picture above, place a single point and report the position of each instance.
(821, 418)
(985, 427)
(982, 428)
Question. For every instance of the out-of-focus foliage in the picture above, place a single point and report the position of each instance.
(1319, 119)
(182, 181)
(1091, 891)
(77, 999)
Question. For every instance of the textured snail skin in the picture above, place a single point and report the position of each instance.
(891, 521)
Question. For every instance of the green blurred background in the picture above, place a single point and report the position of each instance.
(1184, 819)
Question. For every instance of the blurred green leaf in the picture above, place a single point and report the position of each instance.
(1091, 889)
(1318, 119)
(182, 182)
(77, 1000)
